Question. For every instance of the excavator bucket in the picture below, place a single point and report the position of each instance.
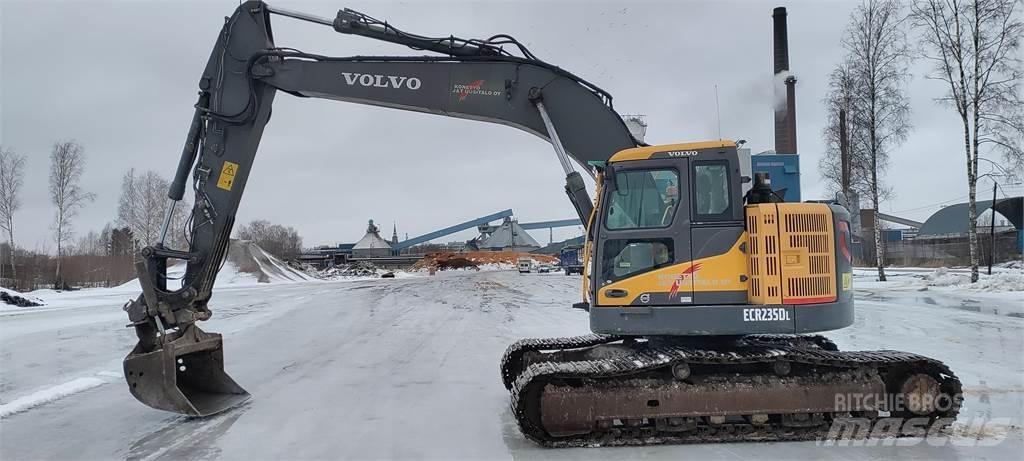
(185, 375)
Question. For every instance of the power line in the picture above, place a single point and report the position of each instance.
(944, 202)
(1002, 187)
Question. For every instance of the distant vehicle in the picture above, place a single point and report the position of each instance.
(524, 265)
(571, 259)
(543, 268)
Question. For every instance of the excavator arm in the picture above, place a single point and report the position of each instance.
(178, 367)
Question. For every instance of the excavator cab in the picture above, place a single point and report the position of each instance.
(678, 251)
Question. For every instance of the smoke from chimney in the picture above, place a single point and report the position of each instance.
(785, 99)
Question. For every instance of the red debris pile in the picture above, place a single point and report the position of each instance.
(474, 259)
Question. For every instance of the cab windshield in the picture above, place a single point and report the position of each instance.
(643, 199)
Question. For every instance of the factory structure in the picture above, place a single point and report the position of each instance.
(372, 245)
(942, 237)
(505, 234)
(783, 163)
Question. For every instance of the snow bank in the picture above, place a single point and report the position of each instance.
(14, 299)
(497, 267)
(249, 258)
(246, 264)
(49, 395)
(998, 281)
(1016, 264)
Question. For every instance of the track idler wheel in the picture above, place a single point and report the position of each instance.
(681, 371)
(921, 394)
(184, 374)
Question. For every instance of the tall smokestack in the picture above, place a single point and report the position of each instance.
(785, 105)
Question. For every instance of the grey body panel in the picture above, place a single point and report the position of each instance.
(714, 320)
(714, 240)
(486, 90)
(695, 298)
(720, 297)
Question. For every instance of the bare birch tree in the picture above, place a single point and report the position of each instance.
(842, 96)
(974, 46)
(878, 55)
(67, 162)
(143, 204)
(283, 242)
(12, 171)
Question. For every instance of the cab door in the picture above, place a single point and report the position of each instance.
(643, 227)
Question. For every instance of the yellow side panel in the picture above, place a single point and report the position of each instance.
(721, 272)
(808, 253)
(765, 285)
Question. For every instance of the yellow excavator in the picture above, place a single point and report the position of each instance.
(702, 298)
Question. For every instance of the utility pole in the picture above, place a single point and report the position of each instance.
(992, 229)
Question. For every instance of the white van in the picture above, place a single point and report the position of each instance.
(525, 264)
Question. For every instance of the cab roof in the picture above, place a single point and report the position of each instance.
(644, 153)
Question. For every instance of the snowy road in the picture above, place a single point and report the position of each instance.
(407, 368)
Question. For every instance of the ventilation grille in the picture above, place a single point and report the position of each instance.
(808, 286)
(807, 222)
(807, 253)
(792, 254)
(763, 248)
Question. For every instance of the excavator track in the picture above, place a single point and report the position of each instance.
(759, 388)
(513, 363)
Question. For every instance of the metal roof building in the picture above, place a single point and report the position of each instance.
(952, 220)
(509, 236)
(372, 244)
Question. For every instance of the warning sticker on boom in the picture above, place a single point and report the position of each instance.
(227, 175)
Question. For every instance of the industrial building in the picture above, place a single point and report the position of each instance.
(508, 235)
(943, 237)
(372, 245)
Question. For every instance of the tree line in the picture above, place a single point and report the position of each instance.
(104, 257)
(973, 47)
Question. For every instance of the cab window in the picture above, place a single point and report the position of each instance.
(624, 258)
(711, 191)
(643, 199)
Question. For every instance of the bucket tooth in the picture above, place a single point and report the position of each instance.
(184, 375)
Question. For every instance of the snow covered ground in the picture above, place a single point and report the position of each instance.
(407, 368)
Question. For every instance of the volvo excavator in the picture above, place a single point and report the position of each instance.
(703, 300)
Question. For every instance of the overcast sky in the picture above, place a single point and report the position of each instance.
(120, 78)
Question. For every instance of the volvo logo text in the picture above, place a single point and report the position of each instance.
(382, 81)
